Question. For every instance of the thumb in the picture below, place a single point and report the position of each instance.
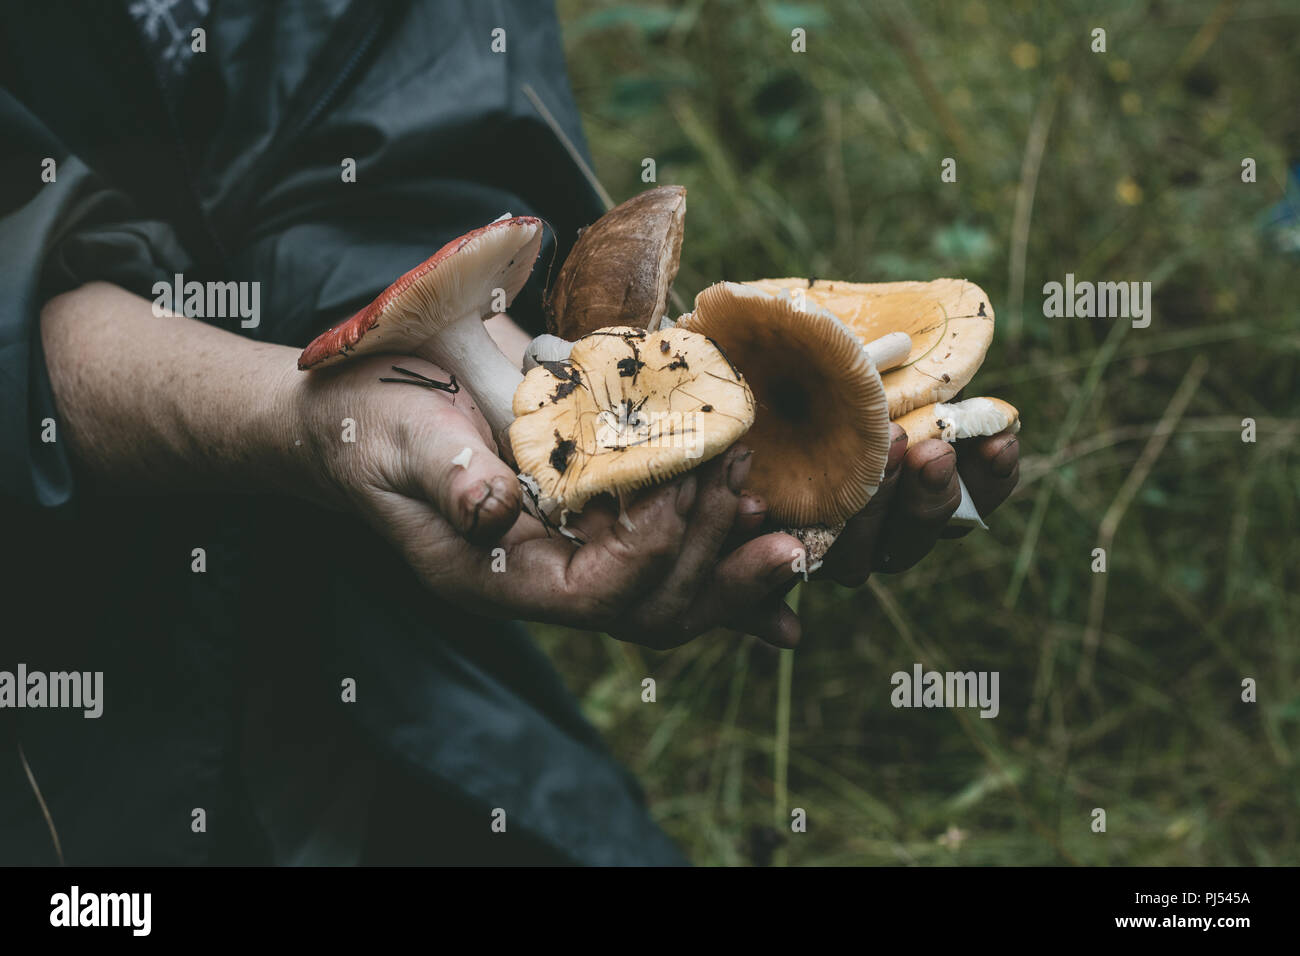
(448, 464)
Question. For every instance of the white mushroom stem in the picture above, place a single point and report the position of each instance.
(967, 515)
(546, 348)
(889, 351)
(466, 350)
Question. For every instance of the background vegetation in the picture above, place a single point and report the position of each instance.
(1122, 690)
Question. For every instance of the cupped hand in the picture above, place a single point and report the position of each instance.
(679, 560)
(918, 496)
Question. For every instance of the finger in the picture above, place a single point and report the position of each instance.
(598, 516)
(751, 513)
(990, 467)
(447, 463)
(740, 590)
(711, 519)
(751, 518)
(850, 559)
(554, 580)
(776, 624)
(926, 498)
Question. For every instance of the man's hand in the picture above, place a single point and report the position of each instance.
(919, 494)
(423, 472)
(167, 404)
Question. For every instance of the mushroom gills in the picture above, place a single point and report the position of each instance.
(973, 418)
(436, 311)
(821, 434)
(954, 421)
(950, 322)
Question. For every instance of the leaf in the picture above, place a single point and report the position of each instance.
(983, 786)
(787, 16)
(960, 243)
(636, 95)
(896, 265)
(648, 20)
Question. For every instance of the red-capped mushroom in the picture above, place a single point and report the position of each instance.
(436, 311)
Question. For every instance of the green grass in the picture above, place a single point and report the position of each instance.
(1117, 166)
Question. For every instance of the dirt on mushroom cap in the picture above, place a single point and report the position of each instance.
(950, 322)
(626, 410)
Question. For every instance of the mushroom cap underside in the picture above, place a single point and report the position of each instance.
(463, 276)
(821, 433)
(950, 322)
(972, 418)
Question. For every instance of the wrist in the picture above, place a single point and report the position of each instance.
(272, 421)
(302, 432)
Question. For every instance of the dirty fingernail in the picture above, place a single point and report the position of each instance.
(477, 495)
(937, 473)
(1004, 462)
(487, 505)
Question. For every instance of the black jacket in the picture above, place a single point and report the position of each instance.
(222, 689)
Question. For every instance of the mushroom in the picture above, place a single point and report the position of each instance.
(950, 422)
(621, 270)
(950, 325)
(545, 348)
(972, 418)
(436, 311)
(626, 409)
(821, 432)
(949, 321)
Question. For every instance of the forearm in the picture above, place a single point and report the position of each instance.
(164, 403)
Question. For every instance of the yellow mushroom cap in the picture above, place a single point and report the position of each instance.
(950, 322)
(627, 409)
(821, 433)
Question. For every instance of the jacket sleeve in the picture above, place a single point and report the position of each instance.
(60, 227)
(443, 138)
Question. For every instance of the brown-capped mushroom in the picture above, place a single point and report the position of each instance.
(821, 433)
(436, 311)
(949, 322)
(621, 270)
(626, 409)
(950, 326)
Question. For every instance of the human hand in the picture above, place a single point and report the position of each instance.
(919, 494)
(422, 471)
